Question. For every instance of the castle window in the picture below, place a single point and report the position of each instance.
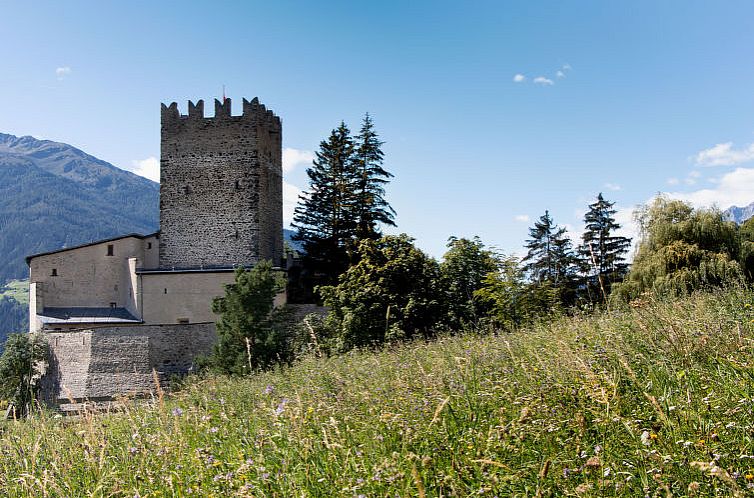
(183, 321)
(238, 185)
(187, 190)
(149, 245)
(110, 249)
(113, 305)
(54, 272)
(165, 291)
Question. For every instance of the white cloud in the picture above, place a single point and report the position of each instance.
(673, 181)
(560, 74)
(724, 155)
(148, 168)
(541, 80)
(735, 188)
(290, 200)
(612, 186)
(566, 67)
(519, 78)
(62, 72)
(293, 158)
(522, 218)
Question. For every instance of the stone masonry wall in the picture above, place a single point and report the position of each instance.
(220, 186)
(106, 362)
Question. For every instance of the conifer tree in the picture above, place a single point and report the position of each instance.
(371, 207)
(324, 219)
(602, 252)
(550, 261)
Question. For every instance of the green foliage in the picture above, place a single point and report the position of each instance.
(463, 270)
(602, 252)
(746, 254)
(345, 202)
(509, 296)
(324, 219)
(550, 263)
(392, 293)
(20, 368)
(682, 250)
(371, 207)
(251, 332)
(654, 401)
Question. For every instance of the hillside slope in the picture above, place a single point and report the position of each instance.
(654, 400)
(53, 195)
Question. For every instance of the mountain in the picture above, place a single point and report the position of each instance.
(739, 214)
(53, 195)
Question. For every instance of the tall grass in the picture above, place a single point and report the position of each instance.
(654, 400)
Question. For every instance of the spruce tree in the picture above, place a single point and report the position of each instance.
(550, 261)
(602, 252)
(371, 177)
(324, 218)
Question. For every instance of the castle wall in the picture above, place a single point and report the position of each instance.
(185, 297)
(88, 277)
(105, 362)
(220, 187)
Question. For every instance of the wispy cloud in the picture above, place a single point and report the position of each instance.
(735, 188)
(612, 186)
(725, 155)
(62, 72)
(521, 218)
(293, 158)
(673, 181)
(560, 74)
(148, 168)
(541, 80)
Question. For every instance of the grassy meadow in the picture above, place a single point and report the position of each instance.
(655, 400)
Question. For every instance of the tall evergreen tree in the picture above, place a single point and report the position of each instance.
(371, 207)
(550, 261)
(324, 218)
(602, 252)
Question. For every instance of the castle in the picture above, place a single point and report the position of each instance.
(114, 310)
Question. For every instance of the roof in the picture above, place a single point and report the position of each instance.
(194, 269)
(86, 315)
(94, 243)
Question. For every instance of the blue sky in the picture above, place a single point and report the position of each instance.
(627, 98)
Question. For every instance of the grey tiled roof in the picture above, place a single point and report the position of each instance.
(86, 315)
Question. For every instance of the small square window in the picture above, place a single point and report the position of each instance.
(54, 272)
(110, 249)
(113, 305)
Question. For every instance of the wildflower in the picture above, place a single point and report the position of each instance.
(213, 430)
(269, 389)
(281, 406)
(749, 476)
(133, 450)
(177, 412)
(653, 436)
(645, 438)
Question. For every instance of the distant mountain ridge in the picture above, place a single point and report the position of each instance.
(739, 214)
(53, 195)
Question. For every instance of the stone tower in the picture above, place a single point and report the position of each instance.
(221, 189)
